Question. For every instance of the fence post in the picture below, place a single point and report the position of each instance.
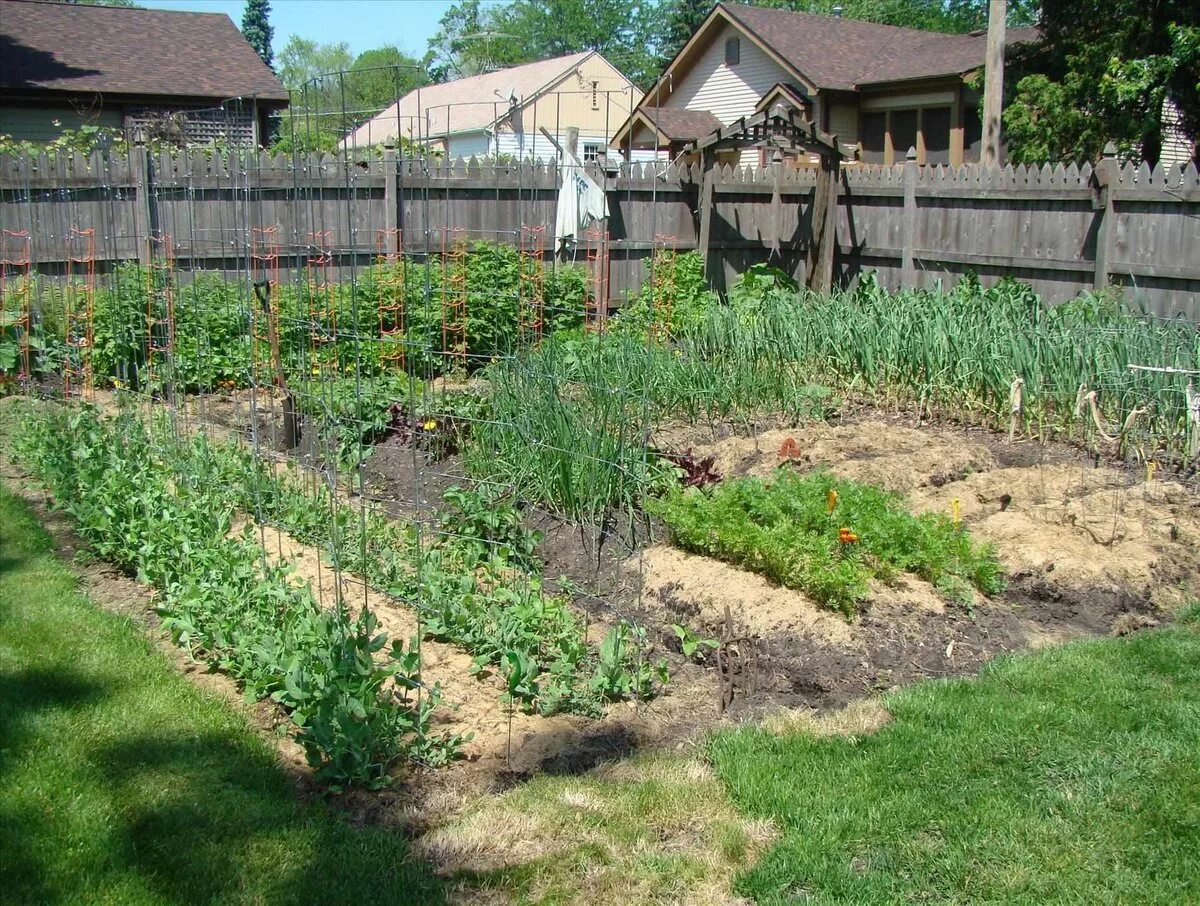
(908, 266)
(391, 198)
(1106, 175)
(143, 209)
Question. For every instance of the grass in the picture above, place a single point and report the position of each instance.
(657, 828)
(120, 782)
(1066, 776)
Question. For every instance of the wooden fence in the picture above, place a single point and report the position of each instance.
(1062, 229)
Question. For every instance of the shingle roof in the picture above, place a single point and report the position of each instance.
(93, 49)
(463, 105)
(681, 124)
(845, 54)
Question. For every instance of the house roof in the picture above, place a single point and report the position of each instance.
(781, 91)
(847, 54)
(679, 123)
(465, 105)
(60, 47)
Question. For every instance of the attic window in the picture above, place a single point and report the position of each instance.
(595, 95)
(733, 51)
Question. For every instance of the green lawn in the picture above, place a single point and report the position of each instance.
(120, 782)
(1071, 775)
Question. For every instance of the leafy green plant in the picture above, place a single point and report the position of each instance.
(623, 668)
(485, 520)
(691, 644)
(827, 537)
(353, 709)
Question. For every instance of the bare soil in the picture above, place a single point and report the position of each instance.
(1089, 550)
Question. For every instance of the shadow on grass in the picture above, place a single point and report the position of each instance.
(121, 782)
(187, 818)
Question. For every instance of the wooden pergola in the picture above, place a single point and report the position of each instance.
(785, 130)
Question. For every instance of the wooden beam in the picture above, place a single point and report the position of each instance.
(824, 227)
(1106, 176)
(957, 129)
(993, 84)
(708, 165)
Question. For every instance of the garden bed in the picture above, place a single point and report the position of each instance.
(1069, 575)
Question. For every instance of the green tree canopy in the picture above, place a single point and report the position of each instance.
(380, 76)
(1102, 74)
(256, 27)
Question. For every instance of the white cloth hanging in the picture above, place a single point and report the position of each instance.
(580, 201)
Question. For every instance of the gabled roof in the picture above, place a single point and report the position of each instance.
(679, 123)
(836, 54)
(466, 105)
(846, 54)
(82, 49)
(781, 91)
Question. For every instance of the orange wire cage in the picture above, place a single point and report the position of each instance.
(16, 294)
(79, 307)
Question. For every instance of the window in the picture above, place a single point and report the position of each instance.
(591, 152)
(733, 51)
(595, 95)
(874, 127)
(935, 129)
(904, 133)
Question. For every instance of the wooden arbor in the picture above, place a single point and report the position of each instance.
(785, 130)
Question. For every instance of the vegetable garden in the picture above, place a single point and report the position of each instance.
(431, 500)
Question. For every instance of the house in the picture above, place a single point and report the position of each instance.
(191, 76)
(880, 89)
(511, 111)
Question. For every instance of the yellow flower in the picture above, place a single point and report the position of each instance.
(430, 424)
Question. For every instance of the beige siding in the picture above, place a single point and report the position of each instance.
(728, 92)
(44, 124)
(571, 103)
(1176, 147)
(843, 122)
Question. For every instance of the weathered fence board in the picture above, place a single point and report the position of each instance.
(1063, 229)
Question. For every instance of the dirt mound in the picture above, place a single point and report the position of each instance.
(878, 452)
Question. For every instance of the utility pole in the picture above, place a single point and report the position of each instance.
(993, 85)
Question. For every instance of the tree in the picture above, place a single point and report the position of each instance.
(680, 20)
(954, 16)
(1102, 74)
(619, 29)
(380, 76)
(468, 42)
(256, 28)
(301, 61)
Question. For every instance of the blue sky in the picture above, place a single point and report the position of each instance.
(360, 23)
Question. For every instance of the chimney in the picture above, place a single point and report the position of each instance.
(837, 12)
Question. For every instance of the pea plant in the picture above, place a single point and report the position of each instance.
(476, 583)
(357, 707)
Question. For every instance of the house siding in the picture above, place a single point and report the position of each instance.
(1176, 147)
(46, 123)
(728, 92)
(843, 122)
